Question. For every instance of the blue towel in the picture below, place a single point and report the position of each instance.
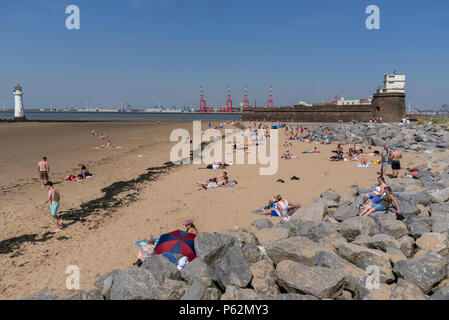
(170, 257)
(142, 242)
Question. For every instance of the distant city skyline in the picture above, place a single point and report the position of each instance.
(144, 52)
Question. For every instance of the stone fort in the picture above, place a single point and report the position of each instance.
(387, 103)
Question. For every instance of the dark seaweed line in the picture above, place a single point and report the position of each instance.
(108, 201)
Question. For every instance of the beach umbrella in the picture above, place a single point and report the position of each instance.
(177, 242)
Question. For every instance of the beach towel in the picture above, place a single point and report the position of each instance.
(213, 185)
(289, 213)
(171, 257)
(142, 242)
(364, 166)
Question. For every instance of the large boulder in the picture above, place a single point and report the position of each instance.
(262, 223)
(294, 296)
(344, 213)
(379, 242)
(426, 272)
(354, 276)
(315, 212)
(317, 230)
(435, 242)
(252, 254)
(440, 196)
(210, 247)
(317, 281)
(268, 235)
(232, 270)
(365, 225)
(441, 294)
(407, 246)
(440, 217)
(199, 291)
(264, 280)
(363, 258)
(417, 226)
(298, 249)
(236, 293)
(405, 290)
(136, 283)
(198, 271)
(394, 228)
(382, 293)
(240, 237)
(105, 282)
(161, 268)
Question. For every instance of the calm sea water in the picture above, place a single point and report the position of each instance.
(123, 116)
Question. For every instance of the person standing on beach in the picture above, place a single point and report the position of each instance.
(44, 169)
(395, 162)
(383, 161)
(54, 199)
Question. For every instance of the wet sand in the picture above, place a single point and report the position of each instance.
(133, 193)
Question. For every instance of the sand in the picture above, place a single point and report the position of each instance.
(98, 241)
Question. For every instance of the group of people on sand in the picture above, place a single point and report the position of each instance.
(393, 155)
(354, 153)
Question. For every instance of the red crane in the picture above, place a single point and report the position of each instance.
(245, 98)
(335, 100)
(202, 100)
(229, 101)
(270, 98)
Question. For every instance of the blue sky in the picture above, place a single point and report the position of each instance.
(148, 51)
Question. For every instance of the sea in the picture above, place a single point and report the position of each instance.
(44, 115)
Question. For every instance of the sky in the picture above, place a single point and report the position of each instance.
(144, 52)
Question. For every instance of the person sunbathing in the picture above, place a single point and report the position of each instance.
(315, 150)
(214, 166)
(287, 155)
(383, 205)
(84, 173)
(279, 207)
(364, 162)
(218, 180)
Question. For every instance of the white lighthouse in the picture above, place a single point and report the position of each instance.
(18, 103)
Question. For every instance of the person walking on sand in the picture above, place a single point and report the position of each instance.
(383, 161)
(54, 199)
(44, 170)
(396, 156)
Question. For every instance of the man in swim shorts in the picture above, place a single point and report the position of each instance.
(395, 162)
(54, 199)
(44, 169)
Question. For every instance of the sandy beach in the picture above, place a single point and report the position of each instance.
(99, 235)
